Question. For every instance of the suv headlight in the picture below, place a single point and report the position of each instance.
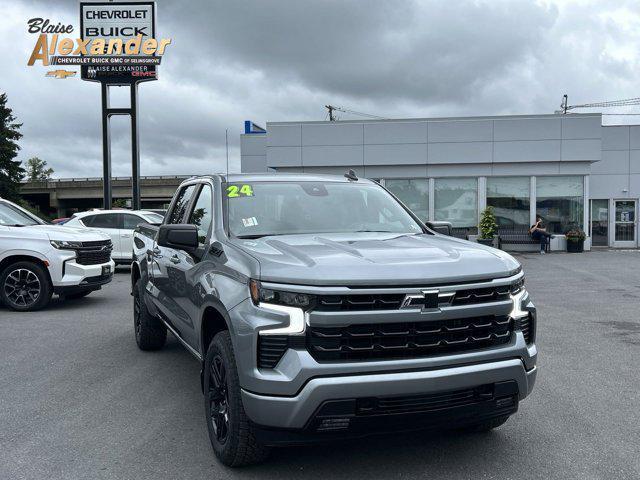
(259, 294)
(66, 244)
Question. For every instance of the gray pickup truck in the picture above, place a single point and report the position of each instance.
(321, 308)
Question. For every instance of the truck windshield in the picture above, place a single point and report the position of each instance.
(288, 208)
(11, 216)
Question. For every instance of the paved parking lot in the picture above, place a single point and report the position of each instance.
(79, 400)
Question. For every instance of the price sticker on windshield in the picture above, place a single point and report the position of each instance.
(235, 191)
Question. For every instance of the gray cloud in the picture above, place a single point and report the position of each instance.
(284, 60)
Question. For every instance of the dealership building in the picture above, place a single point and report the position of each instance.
(570, 169)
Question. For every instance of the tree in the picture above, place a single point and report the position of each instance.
(11, 172)
(37, 170)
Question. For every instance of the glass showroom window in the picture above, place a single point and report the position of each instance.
(456, 201)
(413, 193)
(509, 196)
(560, 202)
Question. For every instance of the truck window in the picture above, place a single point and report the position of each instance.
(180, 206)
(284, 208)
(201, 215)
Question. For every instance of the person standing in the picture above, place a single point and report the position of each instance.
(538, 231)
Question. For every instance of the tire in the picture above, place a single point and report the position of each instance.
(77, 295)
(150, 333)
(25, 286)
(229, 431)
(487, 425)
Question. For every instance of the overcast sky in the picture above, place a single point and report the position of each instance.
(283, 60)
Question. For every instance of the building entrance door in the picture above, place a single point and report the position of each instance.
(625, 229)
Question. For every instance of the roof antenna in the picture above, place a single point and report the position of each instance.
(351, 175)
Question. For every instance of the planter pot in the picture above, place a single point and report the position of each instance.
(575, 246)
(485, 241)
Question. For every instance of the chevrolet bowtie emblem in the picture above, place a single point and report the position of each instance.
(60, 74)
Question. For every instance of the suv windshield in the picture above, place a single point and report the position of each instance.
(281, 208)
(12, 216)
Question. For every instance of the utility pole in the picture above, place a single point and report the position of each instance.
(331, 108)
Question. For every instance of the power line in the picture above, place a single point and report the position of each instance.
(333, 118)
(565, 107)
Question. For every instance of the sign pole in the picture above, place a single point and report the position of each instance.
(106, 149)
(137, 24)
(135, 150)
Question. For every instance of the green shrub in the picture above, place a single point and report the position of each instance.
(488, 223)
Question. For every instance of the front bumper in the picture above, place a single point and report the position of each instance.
(290, 397)
(299, 411)
(77, 277)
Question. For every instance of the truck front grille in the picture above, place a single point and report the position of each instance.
(481, 295)
(527, 327)
(395, 301)
(94, 253)
(341, 303)
(407, 340)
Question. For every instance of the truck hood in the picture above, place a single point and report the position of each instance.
(375, 259)
(56, 232)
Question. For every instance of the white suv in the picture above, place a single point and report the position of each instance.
(118, 224)
(38, 259)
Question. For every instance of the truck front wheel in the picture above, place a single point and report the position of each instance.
(229, 431)
(25, 286)
(151, 334)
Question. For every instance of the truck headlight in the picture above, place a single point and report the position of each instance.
(259, 294)
(516, 310)
(65, 244)
(517, 286)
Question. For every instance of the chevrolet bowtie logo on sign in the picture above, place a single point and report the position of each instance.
(60, 74)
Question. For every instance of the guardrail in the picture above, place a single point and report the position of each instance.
(44, 183)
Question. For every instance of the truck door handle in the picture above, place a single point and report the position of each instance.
(174, 259)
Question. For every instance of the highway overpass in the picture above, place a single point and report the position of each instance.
(64, 196)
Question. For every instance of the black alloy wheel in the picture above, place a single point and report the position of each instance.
(219, 399)
(136, 315)
(22, 288)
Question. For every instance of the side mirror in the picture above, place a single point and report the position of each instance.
(440, 227)
(180, 236)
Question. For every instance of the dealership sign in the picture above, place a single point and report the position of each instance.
(131, 24)
(117, 44)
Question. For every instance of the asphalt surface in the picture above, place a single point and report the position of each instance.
(79, 400)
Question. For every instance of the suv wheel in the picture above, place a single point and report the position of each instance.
(229, 431)
(151, 334)
(25, 286)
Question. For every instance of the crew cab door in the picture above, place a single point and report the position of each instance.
(173, 290)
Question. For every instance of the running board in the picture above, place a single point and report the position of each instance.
(191, 350)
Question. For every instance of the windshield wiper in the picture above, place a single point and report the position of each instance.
(253, 237)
